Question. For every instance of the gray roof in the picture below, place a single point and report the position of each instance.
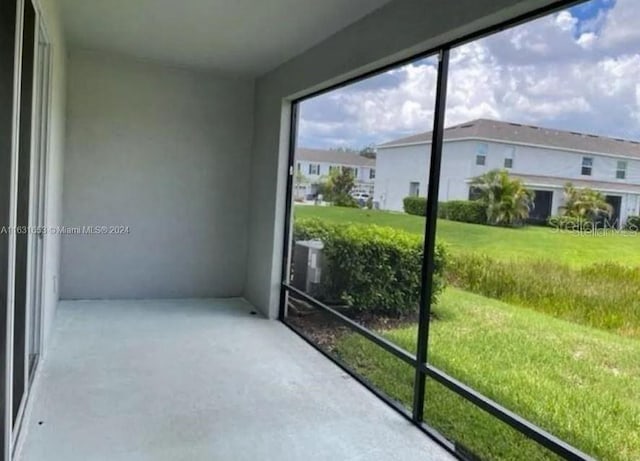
(333, 156)
(529, 134)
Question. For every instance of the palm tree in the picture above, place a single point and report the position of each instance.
(586, 203)
(507, 200)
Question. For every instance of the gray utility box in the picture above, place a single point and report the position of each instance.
(307, 265)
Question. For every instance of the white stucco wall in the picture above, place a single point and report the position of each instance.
(402, 165)
(552, 162)
(363, 172)
(399, 29)
(398, 166)
(164, 151)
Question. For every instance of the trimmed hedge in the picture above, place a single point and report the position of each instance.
(312, 229)
(469, 211)
(371, 268)
(415, 205)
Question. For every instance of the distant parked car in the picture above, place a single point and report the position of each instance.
(361, 195)
(361, 198)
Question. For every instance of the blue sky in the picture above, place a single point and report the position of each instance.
(590, 10)
(576, 69)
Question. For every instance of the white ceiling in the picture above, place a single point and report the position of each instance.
(240, 36)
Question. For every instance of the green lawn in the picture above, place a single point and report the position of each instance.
(529, 242)
(579, 383)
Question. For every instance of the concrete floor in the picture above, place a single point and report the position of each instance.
(201, 380)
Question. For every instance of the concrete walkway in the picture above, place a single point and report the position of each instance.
(201, 380)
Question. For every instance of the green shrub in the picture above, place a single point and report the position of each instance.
(372, 268)
(345, 200)
(508, 201)
(415, 205)
(311, 228)
(602, 295)
(585, 203)
(469, 211)
(632, 223)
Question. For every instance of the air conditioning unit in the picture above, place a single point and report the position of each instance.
(307, 265)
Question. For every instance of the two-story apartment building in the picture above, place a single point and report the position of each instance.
(315, 165)
(544, 159)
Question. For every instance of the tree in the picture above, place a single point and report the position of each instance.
(586, 203)
(368, 152)
(339, 186)
(345, 149)
(507, 200)
(299, 183)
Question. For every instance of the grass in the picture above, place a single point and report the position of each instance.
(601, 295)
(531, 242)
(578, 382)
(581, 384)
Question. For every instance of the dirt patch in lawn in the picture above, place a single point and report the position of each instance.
(326, 330)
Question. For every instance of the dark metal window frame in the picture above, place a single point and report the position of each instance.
(419, 362)
(587, 166)
(621, 169)
(482, 150)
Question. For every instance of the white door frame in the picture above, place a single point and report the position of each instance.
(38, 188)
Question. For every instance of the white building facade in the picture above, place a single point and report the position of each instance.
(313, 167)
(545, 160)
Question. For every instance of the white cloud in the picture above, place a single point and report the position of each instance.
(620, 31)
(565, 21)
(405, 108)
(557, 71)
(587, 39)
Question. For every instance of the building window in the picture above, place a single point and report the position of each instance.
(587, 166)
(299, 166)
(481, 153)
(508, 161)
(314, 168)
(414, 189)
(621, 170)
(355, 173)
(333, 168)
(372, 173)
